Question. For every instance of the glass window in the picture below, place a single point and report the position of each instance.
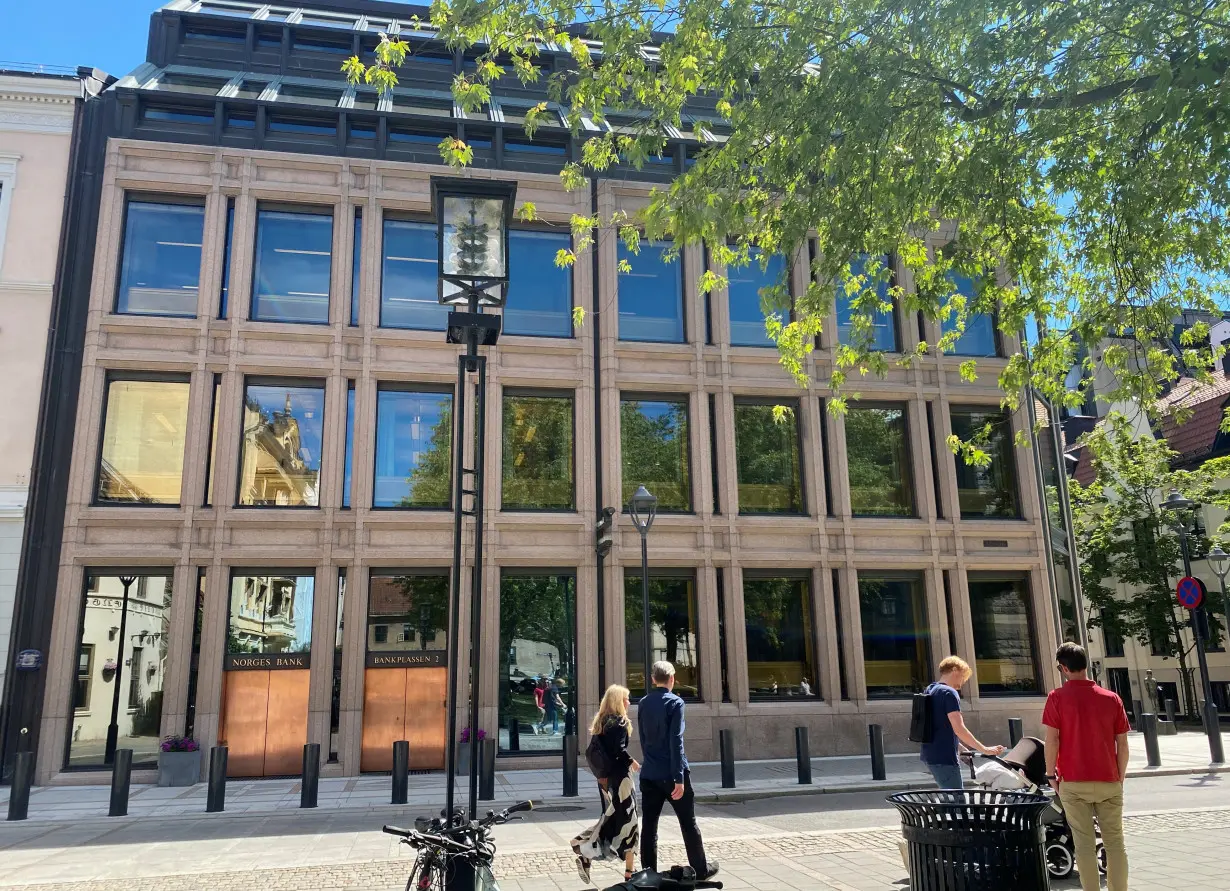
(538, 453)
(781, 658)
(896, 641)
(537, 661)
(348, 471)
(210, 474)
(335, 699)
(883, 332)
(653, 438)
(409, 289)
(194, 664)
(767, 460)
(747, 317)
(282, 439)
(408, 612)
(356, 263)
(650, 296)
(414, 436)
(294, 255)
(674, 630)
(142, 455)
(1003, 634)
(979, 338)
(539, 292)
(878, 462)
(225, 298)
(987, 491)
(122, 643)
(270, 614)
(161, 267)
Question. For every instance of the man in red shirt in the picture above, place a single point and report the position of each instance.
(1086, 761)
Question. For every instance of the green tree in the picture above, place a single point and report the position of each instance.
(767, 457)
(878, 462)
(1124, 538)
(541, 609)
(1071, 155)
(538, 452)
(431, 478)
(654, 449)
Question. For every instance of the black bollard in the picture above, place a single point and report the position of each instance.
(570, 766)
(121, 779)
(1016, 730)
(401, 771)
(875, 735)
(215, 796)
(514, 735)
(310, 786)
(726, 749)
(486, 770)
(23, 778)
(802, 754)
(1171, 708)
(1148, 725)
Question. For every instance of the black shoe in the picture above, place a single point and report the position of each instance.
(711, 869)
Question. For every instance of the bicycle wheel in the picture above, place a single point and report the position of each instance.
(427, 875)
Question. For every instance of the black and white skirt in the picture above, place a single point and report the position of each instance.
(618, 829)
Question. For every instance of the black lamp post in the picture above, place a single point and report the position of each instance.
(113, 729)
(473, 218)
(1182, 520)
(644, 507)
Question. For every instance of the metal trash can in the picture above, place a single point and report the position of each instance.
(974, 840)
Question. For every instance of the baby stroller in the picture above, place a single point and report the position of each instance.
(1023, 768)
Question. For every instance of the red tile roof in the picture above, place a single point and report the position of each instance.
(1196, 438)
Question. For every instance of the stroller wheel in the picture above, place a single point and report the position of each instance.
(1059, 861)
(1101, 858)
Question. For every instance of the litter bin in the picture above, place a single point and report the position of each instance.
(974, 840)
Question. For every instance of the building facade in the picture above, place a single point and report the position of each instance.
(265, 413)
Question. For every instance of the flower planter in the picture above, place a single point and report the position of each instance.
(179, 768)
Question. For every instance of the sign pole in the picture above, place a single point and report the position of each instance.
(1190, 592)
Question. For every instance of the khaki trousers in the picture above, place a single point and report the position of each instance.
(1082, 802)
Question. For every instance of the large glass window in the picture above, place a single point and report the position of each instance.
(747, 317)
(408, 613)
(896, 640)
(781, 658)
(161, 268)
(537, 660)
(291, 271)
(348, 469)
(979, 337)
(539, 292)
(674, 633)
(878, 461)
(356, 264)
(538, 452)
(409, 288)
(282, 442)
(414, 435)
(653, 439)
(767, 460)
(650, 296)
(142, 455)
(225, 296)
(211, 468)
(989, 491)
(882, 334)
(1003, 633)
(271, 614)
(120, 645)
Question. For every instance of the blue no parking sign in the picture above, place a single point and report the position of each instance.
(1189, 592)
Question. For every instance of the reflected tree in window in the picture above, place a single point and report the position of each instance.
(1003, 634)
(537, 652)
(654, 445)
(415, 605)
(780, 633)
(896, 639)
(878, 462)
(538, 453)
(989, 490)
(673, 631)
(767, 459)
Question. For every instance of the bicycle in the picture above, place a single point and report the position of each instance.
(452, 851)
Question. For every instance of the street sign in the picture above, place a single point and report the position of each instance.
(1189, 592)
(28, 660)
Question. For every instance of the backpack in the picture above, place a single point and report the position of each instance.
(921, 717)
(597, 758)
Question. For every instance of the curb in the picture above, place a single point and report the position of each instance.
(1141, 772)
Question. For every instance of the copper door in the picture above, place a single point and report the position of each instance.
(404, 703)
(244, 713)
(286, 733)
(426, 717)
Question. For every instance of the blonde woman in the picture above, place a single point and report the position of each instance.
(617, 833)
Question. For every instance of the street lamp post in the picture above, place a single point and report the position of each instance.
(473, 218)
(644, 507)
(113, 729)
(1179, 509)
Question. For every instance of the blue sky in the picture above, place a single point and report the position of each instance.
(110, 35)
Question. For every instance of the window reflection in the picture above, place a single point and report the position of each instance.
(747, 317)
(979, 338)
(409, 288)
(538, 453)
(290, 279)
(408, 613)
(878, 456)
(780, 637)
(270, 614)
(225, 297)
(414, 434)
(896, 639)
(989, 491)
(348, 470)
(650, 296)
(135, 660)
(654, 447)
(161, 268)
(1003, 634)
(539, 292)
(882, 334)
(673, 630)
(356, 264)
(282, 433)
(537, 661)
(142, 457)
(767, 460)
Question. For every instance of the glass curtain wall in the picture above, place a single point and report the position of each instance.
(674, 629)
(653, 435)
(141, 460)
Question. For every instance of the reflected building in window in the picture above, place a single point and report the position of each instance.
(281, 446)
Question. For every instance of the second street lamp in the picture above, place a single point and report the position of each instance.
(644, 507)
